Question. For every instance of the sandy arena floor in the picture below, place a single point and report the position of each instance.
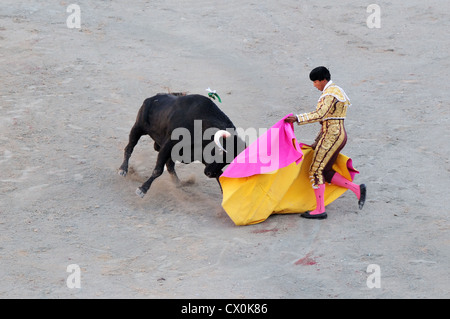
(69, 96)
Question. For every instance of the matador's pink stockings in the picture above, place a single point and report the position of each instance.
(320, 200)
(340, 180)
(359, 190)
(319, 212)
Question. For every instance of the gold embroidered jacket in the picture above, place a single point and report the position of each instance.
(332, 105)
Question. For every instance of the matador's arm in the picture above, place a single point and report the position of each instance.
(323, 107)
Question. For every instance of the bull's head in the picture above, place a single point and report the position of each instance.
(231, 147)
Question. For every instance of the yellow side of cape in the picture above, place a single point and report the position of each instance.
(251, 200)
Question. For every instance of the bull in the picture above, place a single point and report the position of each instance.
(164, 116)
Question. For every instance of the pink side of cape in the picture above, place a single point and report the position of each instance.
(351, 169)
(275, 149)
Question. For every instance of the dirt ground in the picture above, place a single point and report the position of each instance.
(69, 96)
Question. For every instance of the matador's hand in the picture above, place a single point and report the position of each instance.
(291, 119)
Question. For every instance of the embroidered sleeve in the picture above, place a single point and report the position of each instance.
(323, 107)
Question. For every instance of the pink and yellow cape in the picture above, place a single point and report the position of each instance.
(271, 177)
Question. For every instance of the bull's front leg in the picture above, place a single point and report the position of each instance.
(141, 191)
(220, 185)
(163, 157)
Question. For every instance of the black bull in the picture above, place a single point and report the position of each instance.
(200, 123)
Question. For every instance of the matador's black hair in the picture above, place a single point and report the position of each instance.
(320, 73)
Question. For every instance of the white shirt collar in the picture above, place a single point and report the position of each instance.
(328, 84)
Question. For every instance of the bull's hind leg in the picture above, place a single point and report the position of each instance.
(163, 157)
(135, 134)
(171, 169)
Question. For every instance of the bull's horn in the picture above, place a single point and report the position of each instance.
(218, 135)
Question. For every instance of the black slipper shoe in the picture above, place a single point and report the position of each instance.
(362, 198)
(316, 216)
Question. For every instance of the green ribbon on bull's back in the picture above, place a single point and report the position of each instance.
(212, 94)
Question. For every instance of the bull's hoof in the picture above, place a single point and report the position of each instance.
(140, 193)
(122, 172)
